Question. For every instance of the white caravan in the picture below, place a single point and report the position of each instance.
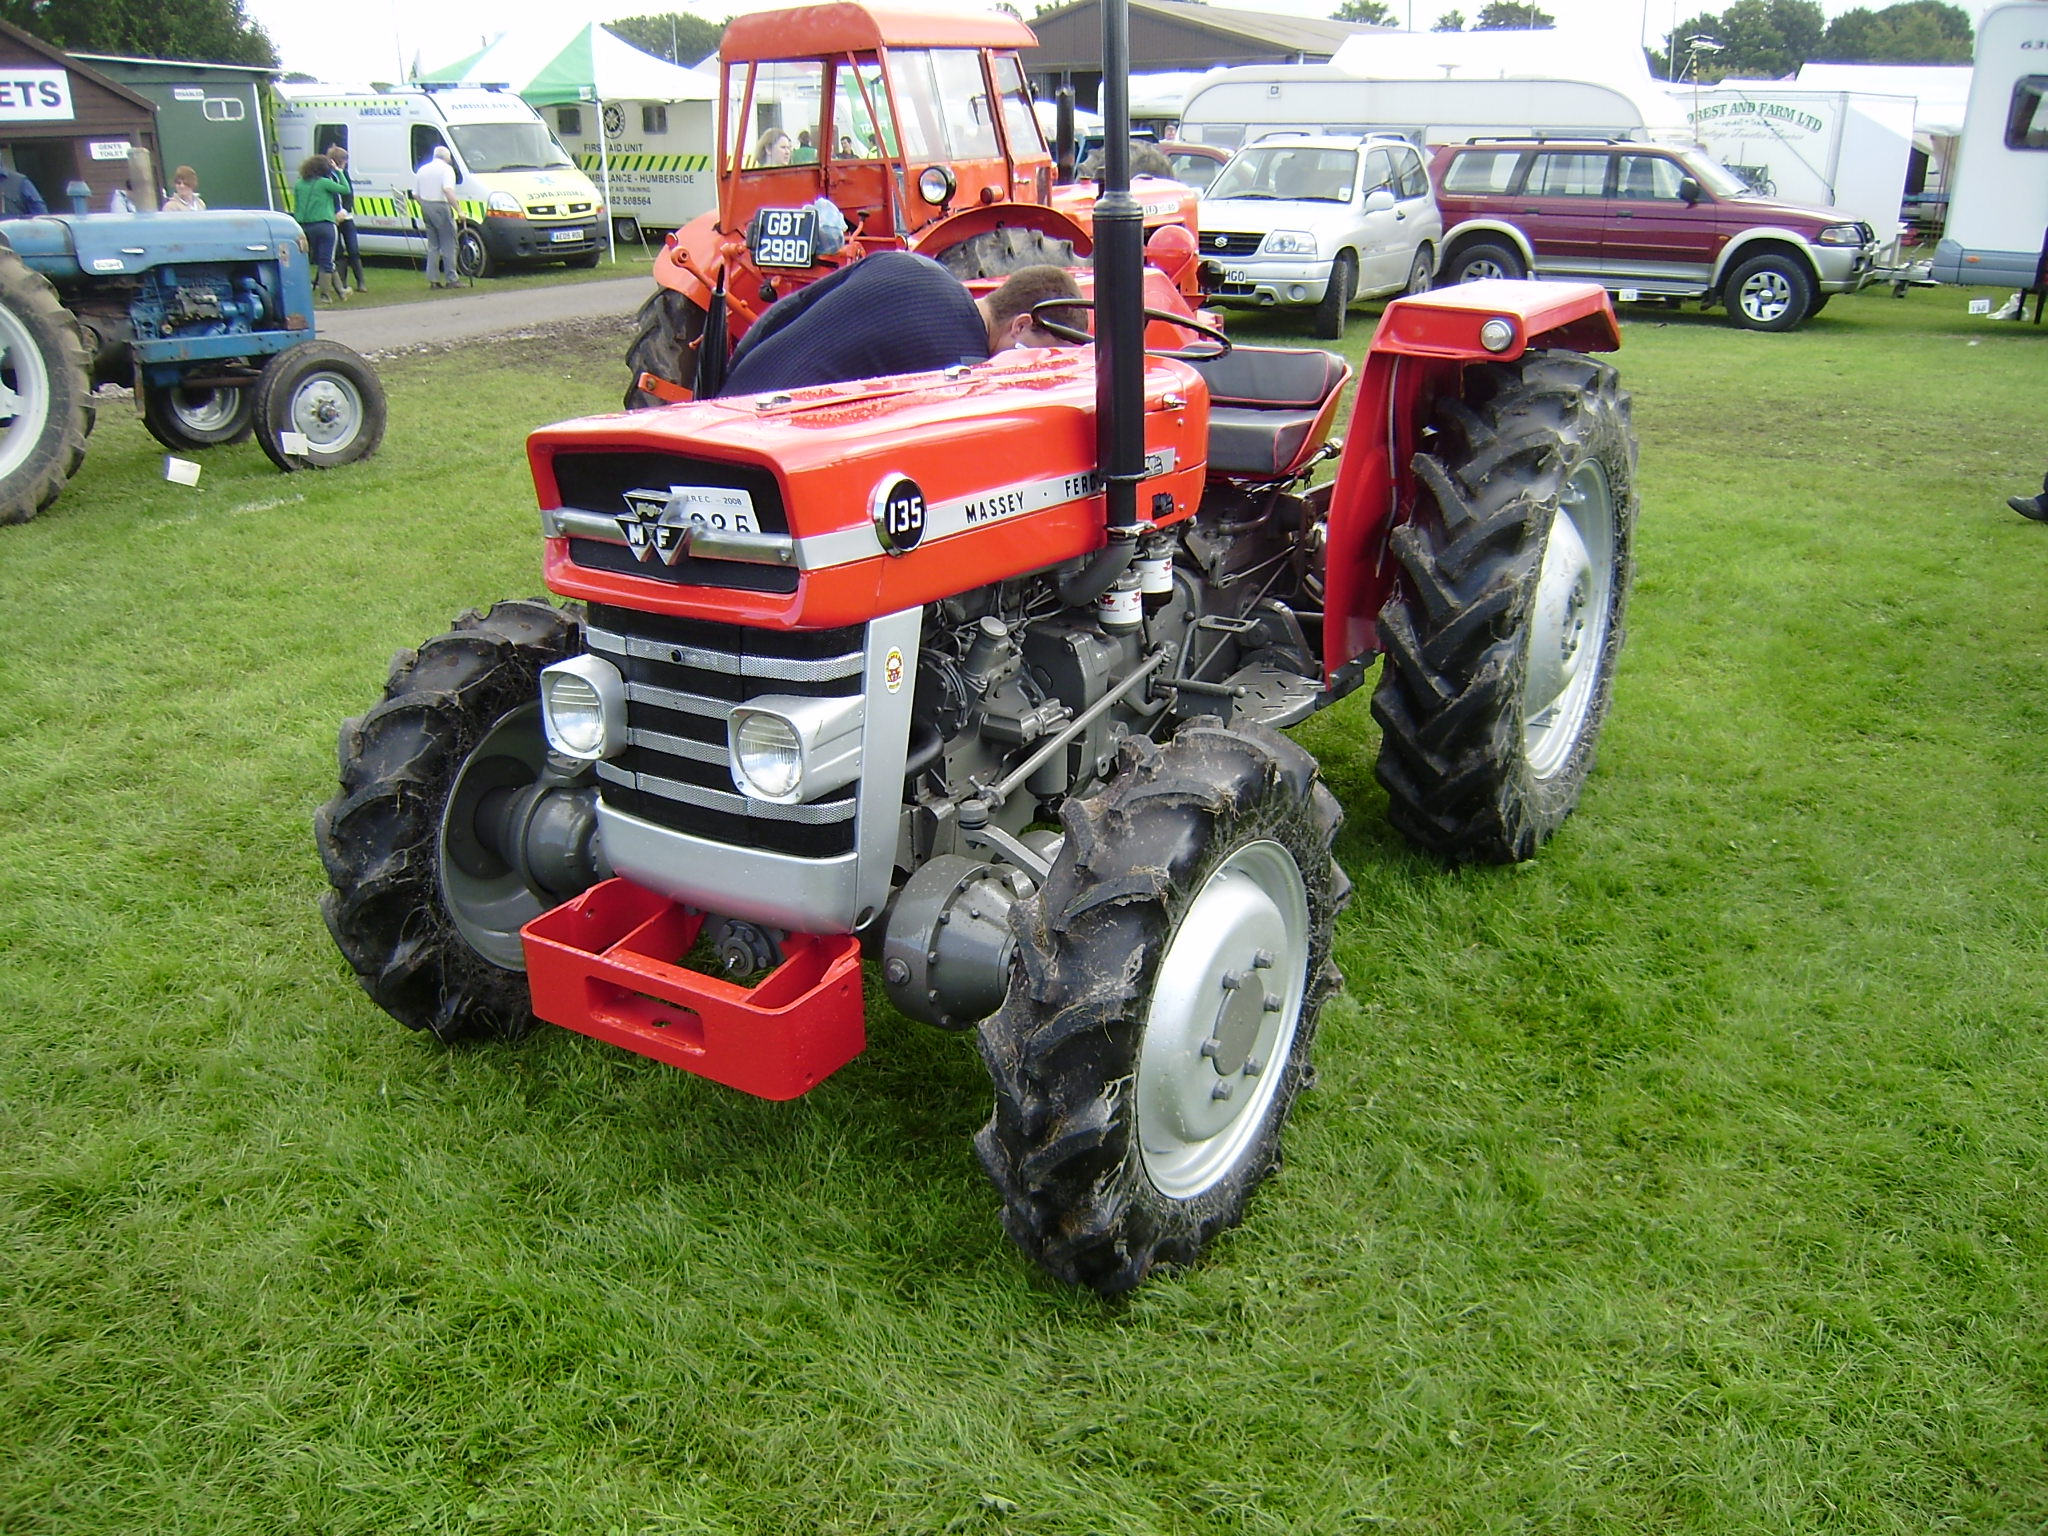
(1243, 105)
(1825, 149)
(1998, 198)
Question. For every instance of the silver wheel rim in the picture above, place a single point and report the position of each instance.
(1766, 296)
(1225, 1009)
(328, 410)
(1480, 269)
(1568, 626)
(205, 411)
(24, 393)
(1418, 276)
(484, 895)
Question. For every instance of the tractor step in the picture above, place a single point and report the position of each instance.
(1276, 687)
(609, 964)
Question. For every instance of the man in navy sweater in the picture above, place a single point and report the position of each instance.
(892, 312)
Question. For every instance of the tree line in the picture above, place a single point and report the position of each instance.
(1752, 39)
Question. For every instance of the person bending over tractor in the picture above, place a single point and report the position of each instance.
(892, 312)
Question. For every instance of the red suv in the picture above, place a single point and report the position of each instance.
(1643, 220)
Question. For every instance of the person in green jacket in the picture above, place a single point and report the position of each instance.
(314, 201)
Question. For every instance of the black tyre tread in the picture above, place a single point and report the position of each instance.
(159, 415)
(1335, 303)
(378, 836)
(1448, 700)
(1059, 1144)
(1509, 260)
(999, 252)
(663, 331)
(1802, 283)
(59, 449)
(286, 371)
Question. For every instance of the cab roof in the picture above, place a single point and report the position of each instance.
(850, 27)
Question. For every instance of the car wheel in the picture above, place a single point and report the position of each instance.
(1769, 293)
(1336, 298)
(1419, 275)
(1474, 263)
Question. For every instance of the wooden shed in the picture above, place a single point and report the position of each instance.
(63, 121)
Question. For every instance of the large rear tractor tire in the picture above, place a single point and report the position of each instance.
(423, 906)
(999, 252)
(45, 392)
(1168, 980)
(665, 333)
(1506, 620)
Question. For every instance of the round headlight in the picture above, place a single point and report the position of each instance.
(935, 184)
(1497, 335)
(583, 707)
(768, 756)
(575, 716)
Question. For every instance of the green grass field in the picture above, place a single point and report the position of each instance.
(1685, 1180)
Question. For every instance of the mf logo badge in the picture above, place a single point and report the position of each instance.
(660, 522)
(897, 506)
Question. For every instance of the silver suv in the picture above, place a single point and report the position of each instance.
(1316, 221)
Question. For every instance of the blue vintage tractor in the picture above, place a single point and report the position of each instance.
(207, 316)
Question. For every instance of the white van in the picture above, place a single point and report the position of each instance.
(522, 197)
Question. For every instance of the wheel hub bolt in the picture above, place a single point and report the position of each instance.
(1222, 1090)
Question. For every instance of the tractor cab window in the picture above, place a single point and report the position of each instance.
(1020, 123)
(783, 101)
(945, 104)
(861, 125)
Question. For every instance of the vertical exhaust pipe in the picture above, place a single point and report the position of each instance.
(1119, 289)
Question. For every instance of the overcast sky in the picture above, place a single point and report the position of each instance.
(379, 39)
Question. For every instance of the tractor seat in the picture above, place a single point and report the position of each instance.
(1270, 408)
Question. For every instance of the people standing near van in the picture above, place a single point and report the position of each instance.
(19, 198)
(434, 185)
(184, 196)
(314, 200)
(348, 251)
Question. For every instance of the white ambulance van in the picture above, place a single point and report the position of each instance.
(523, 200)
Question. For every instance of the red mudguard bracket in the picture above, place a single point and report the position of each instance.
(607, 964)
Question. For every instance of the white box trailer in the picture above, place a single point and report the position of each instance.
(1998, 196)
(1240, 106)
(1826, 149)
(656, 158)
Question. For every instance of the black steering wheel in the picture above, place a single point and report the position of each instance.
(1073, 333)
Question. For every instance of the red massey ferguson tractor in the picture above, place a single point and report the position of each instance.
(981, 675)
(916, 126)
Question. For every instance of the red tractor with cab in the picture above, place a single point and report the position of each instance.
(981, 677)
(850, 128)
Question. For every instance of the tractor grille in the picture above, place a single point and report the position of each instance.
(1217, 242)
(600, 483)
(683, 676)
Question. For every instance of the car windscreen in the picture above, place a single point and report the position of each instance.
(490, 147)
(1297, 172)
(1715, 176)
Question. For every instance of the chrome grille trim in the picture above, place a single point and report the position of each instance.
(779, 669)
(819, 814)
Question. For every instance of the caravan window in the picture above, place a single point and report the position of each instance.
(2026, 124)
(487, 147)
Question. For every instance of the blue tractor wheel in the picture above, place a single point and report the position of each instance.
(45, 392)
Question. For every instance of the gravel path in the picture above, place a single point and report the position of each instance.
(473, 313)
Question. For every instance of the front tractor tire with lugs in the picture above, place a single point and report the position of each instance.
(423, 906)
(1168, 981)
(45, 392)
(1506, 621)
